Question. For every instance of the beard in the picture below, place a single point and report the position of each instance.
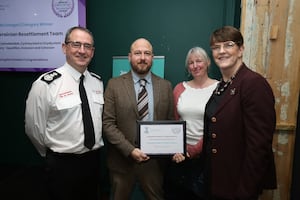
(141, 68)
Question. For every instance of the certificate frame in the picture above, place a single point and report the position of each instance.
(162, 137)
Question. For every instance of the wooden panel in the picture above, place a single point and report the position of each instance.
(283, 148)
(271, 29)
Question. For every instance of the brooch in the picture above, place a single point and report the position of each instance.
(232, 91)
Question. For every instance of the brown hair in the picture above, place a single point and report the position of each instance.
(227, 33)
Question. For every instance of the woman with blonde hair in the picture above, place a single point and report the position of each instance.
(183, 179)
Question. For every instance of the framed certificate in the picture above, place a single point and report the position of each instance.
(160, 138)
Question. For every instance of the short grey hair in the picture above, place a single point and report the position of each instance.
(197, 51)
(69, 31)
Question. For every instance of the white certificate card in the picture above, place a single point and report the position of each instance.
(162, 137)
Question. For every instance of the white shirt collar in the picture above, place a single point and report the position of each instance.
(74, 73)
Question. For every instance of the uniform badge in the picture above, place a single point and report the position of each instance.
(51, 76)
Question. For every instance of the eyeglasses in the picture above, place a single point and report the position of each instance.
(226, 46)
(77, 45)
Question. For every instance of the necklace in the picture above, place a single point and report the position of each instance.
(223, 85)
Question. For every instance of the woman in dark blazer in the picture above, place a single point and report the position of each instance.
(239, 125)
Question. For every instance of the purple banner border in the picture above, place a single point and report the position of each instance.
(82, 13)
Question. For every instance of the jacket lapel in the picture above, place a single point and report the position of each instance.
(130, 92)
(232, 90)
(156, 97)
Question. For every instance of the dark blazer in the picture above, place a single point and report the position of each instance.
(238, 139)
(120, 115)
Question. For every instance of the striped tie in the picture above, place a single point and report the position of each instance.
(143, 100)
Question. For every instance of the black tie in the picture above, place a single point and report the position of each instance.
(88, 127)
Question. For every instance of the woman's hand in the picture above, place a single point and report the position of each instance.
(178, 157)
(194, 150)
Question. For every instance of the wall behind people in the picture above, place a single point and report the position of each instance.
(173, 27)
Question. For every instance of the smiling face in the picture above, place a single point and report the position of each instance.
(227, 54)
(141, 56)
(79, 49)
(197, 65)
(227, 48)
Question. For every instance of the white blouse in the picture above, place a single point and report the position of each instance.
(191, 107)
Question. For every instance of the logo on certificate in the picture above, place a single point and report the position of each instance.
(62, 8)
(176, 130)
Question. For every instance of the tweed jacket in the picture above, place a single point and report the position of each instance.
(238, 139)
(120, 115)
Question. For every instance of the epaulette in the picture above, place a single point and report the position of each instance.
(96, 76)
(51, 76)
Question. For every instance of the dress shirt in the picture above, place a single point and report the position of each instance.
(53, 117)
(149, 89)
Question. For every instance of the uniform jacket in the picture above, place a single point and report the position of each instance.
(238, 139)
(53, 116)
(120, 115)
